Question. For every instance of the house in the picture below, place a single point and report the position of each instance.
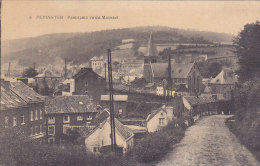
(223, 83)
(159, 118)
(196, 107)
(23, 109)
(85, 82)
(120, 103)
(47, 82)
(100, 137)
(63, 112)
(97, 62)
(182, 74)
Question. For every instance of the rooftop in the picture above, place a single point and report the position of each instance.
(178, 70)
(193, 100)
(116, 97)
(10, 100)
(69, 104)
(25, 92)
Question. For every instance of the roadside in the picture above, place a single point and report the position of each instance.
(247, 137)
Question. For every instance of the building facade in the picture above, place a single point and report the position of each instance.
(64, 112)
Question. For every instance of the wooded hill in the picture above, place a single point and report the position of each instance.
(80, 47)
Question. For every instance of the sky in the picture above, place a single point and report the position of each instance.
(19, 18)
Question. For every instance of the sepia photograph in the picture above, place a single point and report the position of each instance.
(130, 83)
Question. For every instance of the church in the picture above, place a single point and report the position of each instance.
(177, 76)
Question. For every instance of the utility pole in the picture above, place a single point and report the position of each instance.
(169, 81)
(111, 102)
(65, 68)
(105, 78)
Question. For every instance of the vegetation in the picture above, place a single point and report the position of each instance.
(80, 47)
(246, 96)
(30, 72)
(18, 150)
(209, 69)
(247, 47)
(156, 145)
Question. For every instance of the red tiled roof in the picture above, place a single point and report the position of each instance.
(69, 104)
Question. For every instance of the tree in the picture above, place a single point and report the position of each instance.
(30, 72)
(247, 47)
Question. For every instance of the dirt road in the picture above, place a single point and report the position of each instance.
(209, 142)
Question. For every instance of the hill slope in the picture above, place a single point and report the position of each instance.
(80, 47)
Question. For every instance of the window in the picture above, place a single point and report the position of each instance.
(89, 117)
(161, 121)
(40, 129)
(14, 121)
(51, 120)
(32, 130)
(79, 118)
(95, 149)
(66, 119)
(120, 111)
(51, 140)
(31, 115)
(22, 119)
(36, 129)
(36, 114)
(6, 121)
(51, 130)
(40, 114)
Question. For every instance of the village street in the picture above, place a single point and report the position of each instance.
(209, 142)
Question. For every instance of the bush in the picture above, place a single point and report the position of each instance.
(154, 146)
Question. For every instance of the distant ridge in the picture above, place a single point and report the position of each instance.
(80, 47)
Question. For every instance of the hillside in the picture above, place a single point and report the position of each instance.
(80, 47)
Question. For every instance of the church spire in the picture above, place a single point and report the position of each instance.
(151, 48)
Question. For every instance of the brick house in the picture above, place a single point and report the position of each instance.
(22, 108)
(86, 81)
(120, 103)
(63, 112)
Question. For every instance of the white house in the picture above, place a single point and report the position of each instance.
(159, 118)
(100, 136)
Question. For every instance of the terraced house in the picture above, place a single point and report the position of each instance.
(67, 112)
(22, 109)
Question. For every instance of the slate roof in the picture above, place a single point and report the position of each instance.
(10, 100)
(116, 97)
(25, 92)
(178, 70)
(226, 76)
(193, 100)
(103, 117)
(154, 112)
(84, 71)
(69, 104)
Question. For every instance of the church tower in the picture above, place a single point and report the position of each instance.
(150, 57)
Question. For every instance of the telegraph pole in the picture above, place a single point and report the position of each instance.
(105, 78)
(111, 102)
(65, 68)
(169, 81)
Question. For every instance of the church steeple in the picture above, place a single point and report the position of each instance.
(151, 48)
